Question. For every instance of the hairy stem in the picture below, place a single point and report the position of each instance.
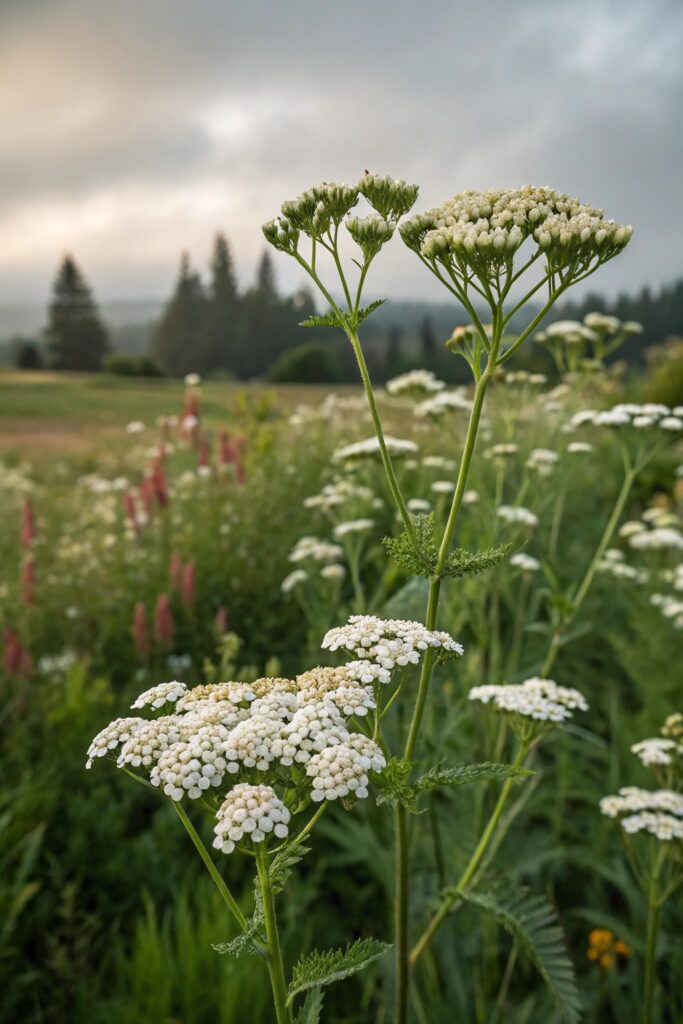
(275, 968)
(451, 900)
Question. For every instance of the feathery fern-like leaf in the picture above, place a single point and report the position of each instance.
(462, 774)
(532, 922)
(319, 969)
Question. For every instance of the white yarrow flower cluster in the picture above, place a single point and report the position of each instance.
(250, 812)
(341, 771)
(525, 562)
(517, 514)
(629, 414)
(353, 526)
(389, 643)
(112, 737)
(415, 382)
(539, 699)
(370, 448)
(162, 693)
(445, 401)
(316, 549)
(659, 751)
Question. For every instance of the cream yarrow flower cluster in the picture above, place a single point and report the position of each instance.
(541, 700)
(389, 643)
(250, 812)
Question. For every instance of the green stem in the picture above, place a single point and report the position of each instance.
(401, 915)
(275, 968)
(454, 897)
(653, 907)
(377, 423)
(211, 867)
(587, 580)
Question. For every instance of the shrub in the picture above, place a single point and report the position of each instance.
(306, 364)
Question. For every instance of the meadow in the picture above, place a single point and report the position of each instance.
(153, 531)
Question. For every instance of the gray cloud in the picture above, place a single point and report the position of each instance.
(132, 130)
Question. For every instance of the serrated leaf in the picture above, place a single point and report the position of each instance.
(469, 563)
(280, 867)
(533, 923)
(363, 314)
(319, 969)
(395, 785)
(463, 774)
(326, 320)
(312, 1008)
(241, 945)
(418, 555)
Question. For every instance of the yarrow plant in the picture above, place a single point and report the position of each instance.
(482, 247)
(264, 759)
(654, 817)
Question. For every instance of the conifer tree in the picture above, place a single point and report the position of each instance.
(177, 340)
(223, 332)
(76, 336)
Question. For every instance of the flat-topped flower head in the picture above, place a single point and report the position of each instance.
(659, 751)
(369, 448)
(320, 207)
(444, 402)
(517, 515)
(162, 693)
(482, 231)
(538, 701)
(370, 233)
(527, 563)
(658, 812)
(389, 643)
(631, 416)
(112, 737)
(415, 383)
(316, 550)
(250, 814)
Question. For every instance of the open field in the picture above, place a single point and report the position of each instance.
(130, 558)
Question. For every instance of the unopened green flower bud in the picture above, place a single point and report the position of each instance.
(370, 233)
(281, 234)
(391, 198)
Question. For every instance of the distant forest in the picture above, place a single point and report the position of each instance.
(212, 327)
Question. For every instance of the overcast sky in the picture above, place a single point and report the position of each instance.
(133, 129)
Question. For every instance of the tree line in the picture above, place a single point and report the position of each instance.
(213, 327)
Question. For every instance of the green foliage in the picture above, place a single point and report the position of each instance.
(131, 366)
(466, 773)
(312, 1007)
(283, 862)
(306, 364)
(396, 787)
(77, 339)
(532, 922)
(418, 556)
(319, 969)
(323, 320)
(367, 311)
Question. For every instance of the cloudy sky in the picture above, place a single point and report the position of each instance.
(131, 130)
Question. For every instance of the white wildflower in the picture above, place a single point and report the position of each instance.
(517, 514)
(112, 737)
(540, 699)
(160, 694)
(250, 812)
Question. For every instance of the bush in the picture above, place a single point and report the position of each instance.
(29, 356)
(307, 364)
(131, 366)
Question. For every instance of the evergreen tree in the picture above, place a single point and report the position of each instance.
(393, 352)
(177, 341)
(223, 332)
(263, 320)
(428, 341)
(77, 338)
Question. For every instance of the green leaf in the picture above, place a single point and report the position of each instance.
(245, 944)
(462, 774)
(363, 314)
(469, 563)
(395, 785)
(532, 922)
(319, 969)
(327, 320)
(312, 1008)
(282, 863)
(418, 555)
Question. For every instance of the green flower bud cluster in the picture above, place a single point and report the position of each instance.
(391, 198)
(320, 210)
(482, 231)
(370, 233)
